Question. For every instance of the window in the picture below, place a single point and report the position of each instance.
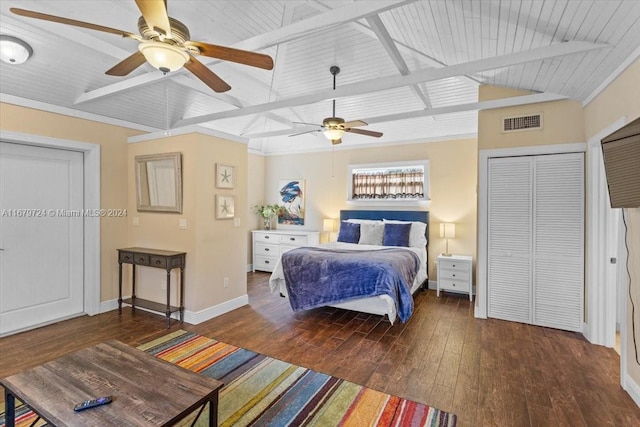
(399, 181)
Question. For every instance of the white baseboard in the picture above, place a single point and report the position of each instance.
(249, 268)
(191, 317)
(632, 388)
(433, 284)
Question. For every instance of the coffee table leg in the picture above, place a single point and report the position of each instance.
(213, 410)
(10, 408)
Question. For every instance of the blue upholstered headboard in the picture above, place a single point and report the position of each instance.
(422, 216)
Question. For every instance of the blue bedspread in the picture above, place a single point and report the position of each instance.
(317, 277)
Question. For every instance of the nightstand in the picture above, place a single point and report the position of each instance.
(454, 274)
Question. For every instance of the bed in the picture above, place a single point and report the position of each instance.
(384, 304)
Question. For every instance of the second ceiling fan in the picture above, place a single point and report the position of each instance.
(334, 127)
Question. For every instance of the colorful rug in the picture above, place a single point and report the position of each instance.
(264, 391)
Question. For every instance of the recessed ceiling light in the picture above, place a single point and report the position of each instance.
(13, 50)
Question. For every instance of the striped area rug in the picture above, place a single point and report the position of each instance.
(264, 391)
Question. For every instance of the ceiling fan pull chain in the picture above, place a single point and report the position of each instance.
(166, 96)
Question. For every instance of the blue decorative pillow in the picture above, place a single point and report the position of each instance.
(349, 232)
(396, 234)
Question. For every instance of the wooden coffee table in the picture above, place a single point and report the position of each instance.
(146, 390)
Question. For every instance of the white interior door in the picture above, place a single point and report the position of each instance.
(41, 236)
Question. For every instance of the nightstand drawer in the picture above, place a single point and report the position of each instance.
(452, 264)
(453, 285)
(265, 263)
(460, 275)
(293, 240)
(267, 250)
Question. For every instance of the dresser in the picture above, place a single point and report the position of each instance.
(268, 245)
(454, 274)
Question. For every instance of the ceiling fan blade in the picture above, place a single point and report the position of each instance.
(155, 15)
(61, 20)
(307, 131)
(355, 123)
(207, 76)
(308, 124)
(127, 65)
(364, 132)
(245, 57)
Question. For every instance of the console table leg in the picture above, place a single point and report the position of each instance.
(133, 287)
(168, 312)
(10, 408)
(119, 288)
(181, 295)
(213, 410)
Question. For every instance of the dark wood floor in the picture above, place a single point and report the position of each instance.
(488, 372)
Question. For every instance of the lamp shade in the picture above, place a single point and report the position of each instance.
(328, 225)
(163, 56)
(448, 230)
(13, 50)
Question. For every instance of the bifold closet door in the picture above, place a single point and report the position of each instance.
(536, 240)
(510, 240)
(558, 229)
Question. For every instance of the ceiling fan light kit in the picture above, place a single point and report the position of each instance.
(13, 50)
(162, 56)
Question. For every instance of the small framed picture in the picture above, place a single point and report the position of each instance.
(225, 206)
(225, 176)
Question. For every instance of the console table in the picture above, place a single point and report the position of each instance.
(156, 258)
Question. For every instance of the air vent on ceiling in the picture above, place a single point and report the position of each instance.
(517, 123)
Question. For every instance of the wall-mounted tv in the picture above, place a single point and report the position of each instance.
(621, 153)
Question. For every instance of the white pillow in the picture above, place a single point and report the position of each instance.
(417, 238)
(371, 233)
(364, 221)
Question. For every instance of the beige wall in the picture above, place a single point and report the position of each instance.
(563, 122)
(215, 248)
(113, 173)
(255, 195)
(453, 170)
(622, 98)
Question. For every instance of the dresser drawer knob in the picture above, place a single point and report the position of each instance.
(454, 274)
(266, 262)
(126, 258)
(454, 265)
(141, 259)
(266, 237)
(453, 284)
(158, 262)
(266, 249)
(292, 239)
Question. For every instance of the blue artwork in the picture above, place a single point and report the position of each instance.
(292, 197)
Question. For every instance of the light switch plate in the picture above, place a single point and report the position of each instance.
(182, 224)
(236, 222)
(136, 221)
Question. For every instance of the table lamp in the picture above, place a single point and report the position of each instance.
(448, 231)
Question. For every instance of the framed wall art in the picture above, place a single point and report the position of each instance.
(225, 206)
(225, 176)
(292, 196)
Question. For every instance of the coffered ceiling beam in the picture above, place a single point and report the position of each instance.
(474, 106)
(393, 82)
(389, 46)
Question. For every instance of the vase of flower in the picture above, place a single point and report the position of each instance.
(267, 212)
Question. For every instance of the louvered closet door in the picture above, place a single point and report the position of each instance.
(510, 238)
(558, 229)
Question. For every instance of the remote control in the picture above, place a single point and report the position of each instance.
(92, 403)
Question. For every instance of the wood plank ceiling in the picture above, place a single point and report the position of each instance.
(409, 68)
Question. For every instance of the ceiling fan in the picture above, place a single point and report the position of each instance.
(334, 127)
(165, 44)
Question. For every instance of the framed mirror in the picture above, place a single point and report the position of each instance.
(159, 182)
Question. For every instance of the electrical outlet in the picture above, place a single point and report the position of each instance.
(226, 282)
(163, 285)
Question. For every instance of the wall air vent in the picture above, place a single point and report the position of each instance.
(518, 123)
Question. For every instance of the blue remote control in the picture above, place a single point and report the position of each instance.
(92, 403)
